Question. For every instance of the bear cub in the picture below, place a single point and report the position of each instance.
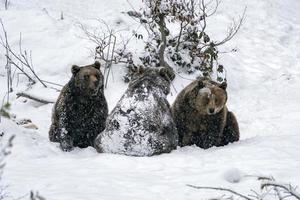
(141, 124)
(202, 117)
(80, 111)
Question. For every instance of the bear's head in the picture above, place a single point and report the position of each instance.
(88, 79)
(151, 77)
(209, 97)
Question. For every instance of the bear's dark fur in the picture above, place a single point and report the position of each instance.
(81, 109)
(202, 117)
(141, 124)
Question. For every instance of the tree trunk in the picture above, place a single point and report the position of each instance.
(161, 52)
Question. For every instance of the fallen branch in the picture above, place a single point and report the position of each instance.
(32, 97)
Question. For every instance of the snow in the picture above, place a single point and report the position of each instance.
(263, 87)
(233, 175)
(115, 141)
(204, 91)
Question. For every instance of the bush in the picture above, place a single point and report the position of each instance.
(191, 48)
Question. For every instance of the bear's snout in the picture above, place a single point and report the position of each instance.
(94, 82)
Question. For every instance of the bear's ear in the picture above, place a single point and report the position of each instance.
(163, 71)
(139, 70)
(201, 80)
(75, 69)
(167, 73)
(223, 85)
(200, 84)
(97, 65)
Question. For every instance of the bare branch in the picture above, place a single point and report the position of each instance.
(182, 26)
(49, 82)
(101, 38)
(217, 2)
(21, 69)
(22, 58)
(287, 188)
(232, 31)
(203, 16)
(222, 189)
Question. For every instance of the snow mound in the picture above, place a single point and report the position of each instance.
(233, 175)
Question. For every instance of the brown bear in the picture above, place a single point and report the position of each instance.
(141, 124)
(80, 111)
(202, 117)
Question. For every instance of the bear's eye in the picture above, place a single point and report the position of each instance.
(205, 100)
(86, 77)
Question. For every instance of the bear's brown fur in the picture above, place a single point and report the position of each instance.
(81, 109)
(202, 117)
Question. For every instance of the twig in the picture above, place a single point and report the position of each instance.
(101, 37)
(22, 58)
(36, 196)
(287, 189)
(215, 8)
(109, 63)
(5, 151)
(178, 74)
(269, 179)
(49, 82)
(8, 64)
(221, 189)
(17, 66)
(232, 31)
(6, 3)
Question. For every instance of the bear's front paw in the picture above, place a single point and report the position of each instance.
(66, 145)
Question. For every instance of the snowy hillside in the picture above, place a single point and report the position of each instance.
(263, 87)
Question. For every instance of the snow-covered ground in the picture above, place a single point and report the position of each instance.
(264, 83)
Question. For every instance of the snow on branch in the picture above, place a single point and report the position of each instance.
(190, 48)
(34, 97)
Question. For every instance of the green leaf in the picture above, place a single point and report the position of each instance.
(4, 113)
(206, 38)
(220, 79)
